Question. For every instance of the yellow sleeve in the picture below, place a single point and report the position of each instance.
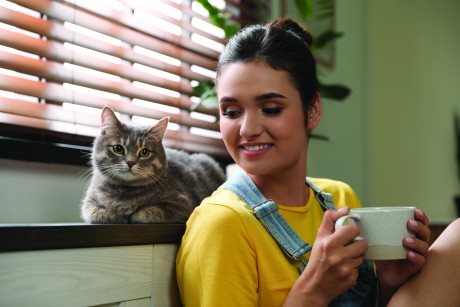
(216, 264)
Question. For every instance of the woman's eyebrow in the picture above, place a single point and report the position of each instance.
(260, 97)
(227, 99)
(269, 96)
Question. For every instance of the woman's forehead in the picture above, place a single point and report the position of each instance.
(238, 76)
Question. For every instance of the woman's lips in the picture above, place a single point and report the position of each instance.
(255, 149)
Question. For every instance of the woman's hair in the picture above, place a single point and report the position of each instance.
(283, 45)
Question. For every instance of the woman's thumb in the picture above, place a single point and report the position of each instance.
(330, 217)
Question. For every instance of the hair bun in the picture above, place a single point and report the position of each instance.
(290, 25)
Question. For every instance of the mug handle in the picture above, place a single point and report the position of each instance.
(342, 221)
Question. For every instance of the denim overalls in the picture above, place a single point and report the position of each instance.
(364, 293)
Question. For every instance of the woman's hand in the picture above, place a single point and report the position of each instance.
(333, 265)
(392, 274)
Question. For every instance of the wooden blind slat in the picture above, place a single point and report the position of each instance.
(51, 117)
(126, 19)
(136, 4)
(58, 32)
(65, 13)
(173, 140)
(32, 88)
(55, 72)
(57, 52)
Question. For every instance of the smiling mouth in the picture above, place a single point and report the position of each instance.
(257, 147)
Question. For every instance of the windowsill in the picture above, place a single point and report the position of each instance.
(22, 237)
(36, 151)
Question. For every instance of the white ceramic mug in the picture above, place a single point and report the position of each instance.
(384, 229)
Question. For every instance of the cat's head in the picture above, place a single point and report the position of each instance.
(127, 152)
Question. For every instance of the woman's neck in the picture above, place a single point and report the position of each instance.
(286, 190)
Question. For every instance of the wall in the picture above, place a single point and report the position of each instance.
(414, 74)
(38, 192)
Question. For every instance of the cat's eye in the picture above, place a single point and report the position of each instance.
(118, 149)
(144, 153)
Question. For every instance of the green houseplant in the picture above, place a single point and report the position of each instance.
(324, 9)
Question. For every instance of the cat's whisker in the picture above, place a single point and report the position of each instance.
(85, 176)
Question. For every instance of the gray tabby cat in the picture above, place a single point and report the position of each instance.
(137, 180)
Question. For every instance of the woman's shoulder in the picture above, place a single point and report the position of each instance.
(342, 193)
(221, 216)
(223, 204)
(327, 184)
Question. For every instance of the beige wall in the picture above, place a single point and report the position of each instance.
(40, 193)
(414, 85)
(393, 138)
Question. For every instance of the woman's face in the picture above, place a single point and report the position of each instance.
(262, 120)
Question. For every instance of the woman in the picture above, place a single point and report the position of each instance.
(269, 102)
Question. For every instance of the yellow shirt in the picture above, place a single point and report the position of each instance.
(227, 258)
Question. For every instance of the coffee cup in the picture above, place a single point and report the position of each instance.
(383, 228)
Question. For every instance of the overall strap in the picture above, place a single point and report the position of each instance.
(325, 199)
(267, 213)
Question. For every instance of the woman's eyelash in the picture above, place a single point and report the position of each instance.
(273, 110)
(229, 113)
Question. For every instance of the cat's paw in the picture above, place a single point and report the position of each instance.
(148, 215)
(100, 215)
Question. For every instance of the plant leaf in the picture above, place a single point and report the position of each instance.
(305, 8)
(206, 90)
(326, 37)
(334, 91)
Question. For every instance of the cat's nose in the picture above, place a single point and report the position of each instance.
(130, 164)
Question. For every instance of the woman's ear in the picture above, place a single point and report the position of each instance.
(314, 113)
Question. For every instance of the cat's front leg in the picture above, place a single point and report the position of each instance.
(149, 215)
(161, 213)
(102, 215)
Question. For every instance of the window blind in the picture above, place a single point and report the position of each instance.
(62, 61)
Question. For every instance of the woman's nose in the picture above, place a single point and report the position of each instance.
(251, 126)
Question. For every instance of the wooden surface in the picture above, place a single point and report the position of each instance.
(89, 265)
(21, 237)
(140, 275)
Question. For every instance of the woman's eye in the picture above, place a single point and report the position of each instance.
(144, 153)
(230, 113)
(118, 149)
(272, 110)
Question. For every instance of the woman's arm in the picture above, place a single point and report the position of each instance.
(216, 263)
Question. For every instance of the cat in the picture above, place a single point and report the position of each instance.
(135, 179)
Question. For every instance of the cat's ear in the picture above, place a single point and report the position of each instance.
(160, 127)
(109, 120)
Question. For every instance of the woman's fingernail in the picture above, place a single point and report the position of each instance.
(413, 223)
(410, 240)
(412, 255)
(343, 209)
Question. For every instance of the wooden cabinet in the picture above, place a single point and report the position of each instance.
(132, 274)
